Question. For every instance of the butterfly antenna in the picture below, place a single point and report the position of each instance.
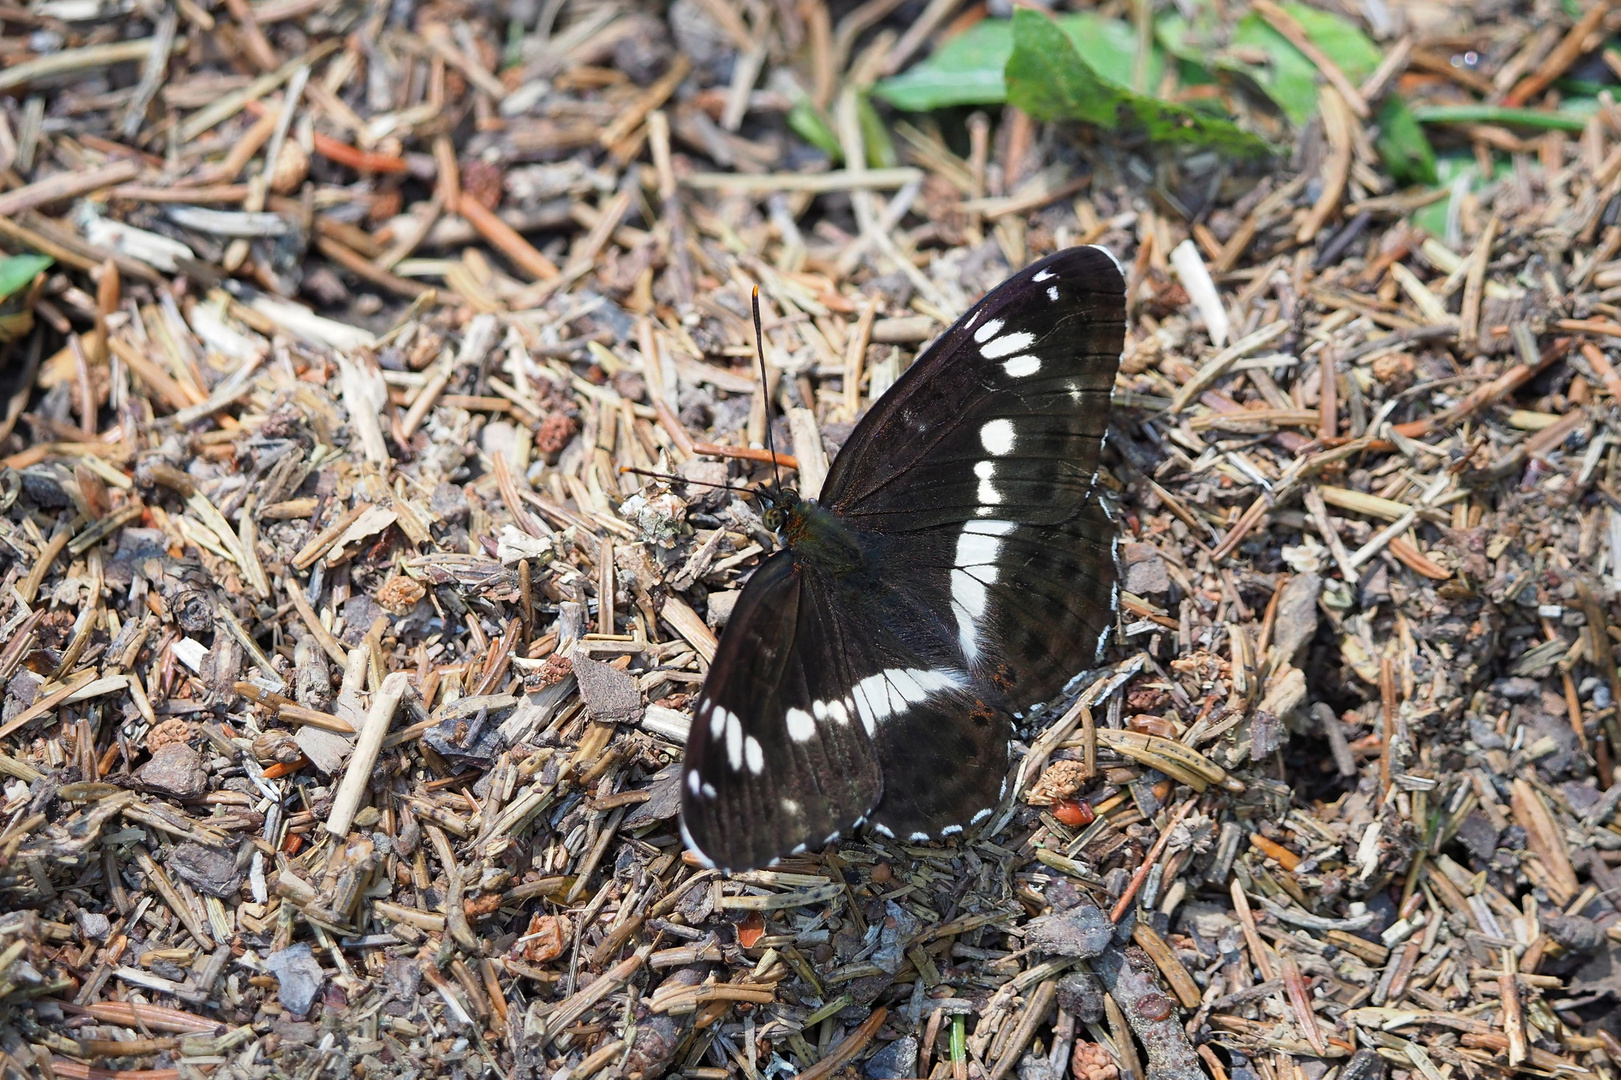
(672, 478)
(765, 392)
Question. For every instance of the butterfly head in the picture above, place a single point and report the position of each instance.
(780, 510)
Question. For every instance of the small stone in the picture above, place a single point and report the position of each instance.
(175, 770)
(707, 492)
(720, 608)
(1478, 834)
(610, 695)
(665, 802)
(544, 940)
(1081, 931)
(1297, 614)
(1081, 995)
(1144, 570)
(898, 1059)
(1035, 1067)
(207, 869)
(292, 165)
(1577, 933)
(448, 503)
(94, 925)
(299, 975)
(359, 612)
(327, 750)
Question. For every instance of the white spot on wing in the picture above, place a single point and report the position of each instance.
(717, 722)
(1006, 345)
(734, 741)
(709, 791)
(997, 436)
(867, 707)
(990, 528)
(988, 331)
(1052, 293)
(968, 605)
(800, 725)
(694, 785)
(918, 837)
(755, 754)
(1045, 275)
(790, 807)
(1020, 366)
(988, 495)
(883, 830)
(977, 548)
(951, 830)
(892, 690)
(981, 816)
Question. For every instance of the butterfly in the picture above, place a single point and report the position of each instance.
(957, 572)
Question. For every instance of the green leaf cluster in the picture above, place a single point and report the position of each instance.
(1079, 67)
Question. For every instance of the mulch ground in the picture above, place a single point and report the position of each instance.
(347, 670)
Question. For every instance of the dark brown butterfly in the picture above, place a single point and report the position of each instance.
(958, 570)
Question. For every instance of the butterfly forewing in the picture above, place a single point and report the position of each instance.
(884, 688)
(1003, 416)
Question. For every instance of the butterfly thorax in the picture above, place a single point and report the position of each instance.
(815, 535)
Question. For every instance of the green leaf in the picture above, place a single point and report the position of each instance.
(1047, 78)
(875, 135)
(1287, 77)
(809, 124)
(969, 69)
(1448, 168)
(1402, 146)
(1342, 40)
(1572, 117)
(17, 271)
(1291, 80)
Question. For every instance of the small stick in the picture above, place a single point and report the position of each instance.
(1564, 54)
(744, 453)
(1300, 1000)
(1328, 424)
(846, 1051)
(1474, 286)
(358, 773)
(506, 238)
(65, 185)
(1513, 1014)
(816, 183)
(1141, 875)
(1246, 920)
(1285, 24)
(1337, 169)
(1387, 703)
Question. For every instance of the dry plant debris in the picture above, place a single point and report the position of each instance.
(346, 668)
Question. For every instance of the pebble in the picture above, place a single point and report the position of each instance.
(175, 770)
